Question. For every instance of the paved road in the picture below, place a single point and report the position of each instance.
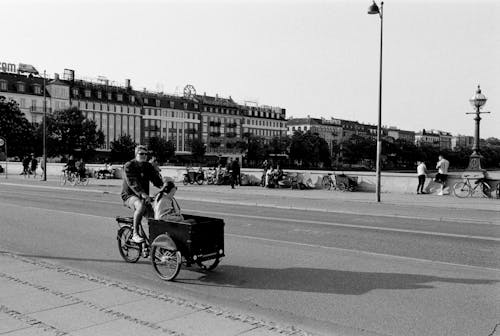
(348, 265)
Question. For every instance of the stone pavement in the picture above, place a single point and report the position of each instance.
(39, 298)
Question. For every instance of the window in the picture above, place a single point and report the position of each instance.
(37, 89)
(119, 97)
(110, 96)
(20, 87)
(132, 99)
(87, 93)
(157, 103)
(172, 104)
(3, 85)
(99, 94)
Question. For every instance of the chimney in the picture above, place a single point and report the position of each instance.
(127, 83)
(56, 76)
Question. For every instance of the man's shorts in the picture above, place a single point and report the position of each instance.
(441, 178)
(130, 202)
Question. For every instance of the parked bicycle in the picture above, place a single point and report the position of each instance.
(340, 182)
(466, 189)
(73, 178)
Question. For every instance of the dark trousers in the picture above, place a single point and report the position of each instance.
(421, 182)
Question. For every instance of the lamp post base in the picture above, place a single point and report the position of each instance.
(474, 167)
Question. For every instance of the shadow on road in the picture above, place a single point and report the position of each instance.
(324, 281)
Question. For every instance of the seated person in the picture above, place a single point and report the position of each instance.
(165, 205)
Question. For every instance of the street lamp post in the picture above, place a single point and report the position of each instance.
(477, 101)
(44, 129)
(374, 9)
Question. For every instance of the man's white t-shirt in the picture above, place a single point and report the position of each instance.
(442, 166)
(421, 169)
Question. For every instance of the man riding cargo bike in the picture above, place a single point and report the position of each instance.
(173, 238)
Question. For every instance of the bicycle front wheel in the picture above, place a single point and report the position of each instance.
(461, 189)
(166, 262)
(62, 179)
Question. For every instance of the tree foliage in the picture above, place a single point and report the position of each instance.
(161, 148)
(198, 148)
(69, 132)
(16, 129)
(309, 150)
(122, 149)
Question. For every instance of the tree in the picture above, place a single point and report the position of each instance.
(198, 148)
(161, 148)
(16, 129)
(255, 150)
(309, 149)
(68, 132)
(122, 149)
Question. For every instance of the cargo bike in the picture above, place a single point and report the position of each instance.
(197, 240)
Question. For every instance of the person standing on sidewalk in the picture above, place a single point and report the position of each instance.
(442, 175)
(235, 175)
(421, 174)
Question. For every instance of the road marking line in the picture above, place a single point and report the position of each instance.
(351, 226)
(362, 252)
(290, 242)
(332, 224)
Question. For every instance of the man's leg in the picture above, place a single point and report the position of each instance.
(139, 208)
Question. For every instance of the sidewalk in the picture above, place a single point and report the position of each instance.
(39, 298)
(392, 204)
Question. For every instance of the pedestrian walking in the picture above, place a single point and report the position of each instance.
(421, 174)
(442, 175)
(33, 165)
(26, 166)
(42, 165)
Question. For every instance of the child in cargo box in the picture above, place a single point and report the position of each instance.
(165, 205)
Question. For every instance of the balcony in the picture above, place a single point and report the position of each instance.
(215, 123)
(39, 109)
(231, 125)
(215, 134)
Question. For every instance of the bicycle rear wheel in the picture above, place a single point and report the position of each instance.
(130, 251)
(325, 183)
(461, 189)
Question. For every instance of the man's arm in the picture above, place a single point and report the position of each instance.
(155, 177)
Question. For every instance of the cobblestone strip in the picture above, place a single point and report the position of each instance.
(31, 321)
(219, 312)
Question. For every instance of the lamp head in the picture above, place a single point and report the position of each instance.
(478, 99)
(373, 9)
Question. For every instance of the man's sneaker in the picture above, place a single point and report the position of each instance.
(137, 239)
(440, 193)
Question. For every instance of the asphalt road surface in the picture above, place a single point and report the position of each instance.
(345, 273)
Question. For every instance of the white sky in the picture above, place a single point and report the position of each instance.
(317, 58)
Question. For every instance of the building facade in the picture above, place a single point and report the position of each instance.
(330, 130)
(462, 141)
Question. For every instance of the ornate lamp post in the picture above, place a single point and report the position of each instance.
(374, 9)
(477, 101)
